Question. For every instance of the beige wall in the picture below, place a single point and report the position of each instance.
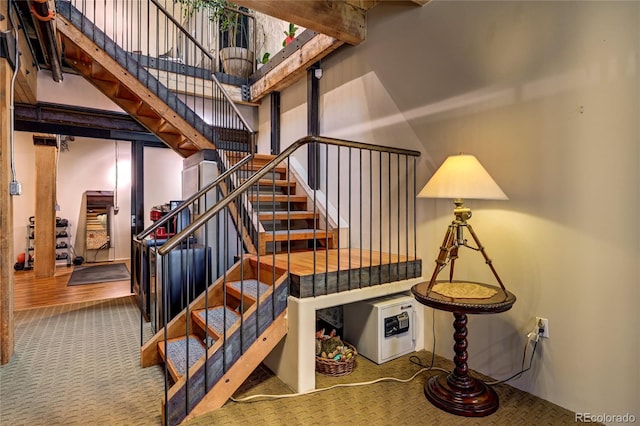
(546, 94)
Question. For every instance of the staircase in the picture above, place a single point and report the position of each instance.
(223, 334)
(230, 328)
(264, 215)
(286, 218)
(121, 76)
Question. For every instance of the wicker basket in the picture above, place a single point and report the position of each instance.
(331, 367)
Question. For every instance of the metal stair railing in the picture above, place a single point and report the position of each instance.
(146, 241)
(376, 230)
(147, 39)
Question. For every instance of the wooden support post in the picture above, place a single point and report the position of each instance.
(7, 258)
(45, 229)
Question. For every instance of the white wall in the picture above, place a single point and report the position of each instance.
(546, 94)
(73, 90)
(162, 179)
(88, 165)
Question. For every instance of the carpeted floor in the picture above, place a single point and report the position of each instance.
(380, 404)
(79, 365)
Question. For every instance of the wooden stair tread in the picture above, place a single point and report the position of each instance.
(295, 234)
(237, 156)
(215, 318)
(281, 198)
(255, 167)
(249, 287)
(176, 354)
(278, 183)
(288, 215)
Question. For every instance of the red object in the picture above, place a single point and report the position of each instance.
(155, 215)
(21, 258)
(288, 40)
(161, 232)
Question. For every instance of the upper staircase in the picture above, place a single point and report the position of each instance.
(285, 215)
(141, 91)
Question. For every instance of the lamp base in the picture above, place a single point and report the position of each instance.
(472, 398)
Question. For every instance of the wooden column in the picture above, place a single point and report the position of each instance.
(7, 258)
(45, 229)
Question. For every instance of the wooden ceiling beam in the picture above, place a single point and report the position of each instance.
(339, 19)
(294, 66)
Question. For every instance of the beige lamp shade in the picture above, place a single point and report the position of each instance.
(462, 176)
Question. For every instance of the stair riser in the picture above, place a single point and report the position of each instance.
(282, 225)
(266, 206)
(282, 246)
(267, 190)
(246, 174)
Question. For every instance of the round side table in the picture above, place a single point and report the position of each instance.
(457, 392)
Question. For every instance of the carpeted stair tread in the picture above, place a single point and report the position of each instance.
(251, 287)
(216, 318)
(177, 352)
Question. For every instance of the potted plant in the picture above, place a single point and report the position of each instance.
(290, 34)
(264, 60)
(236, 58)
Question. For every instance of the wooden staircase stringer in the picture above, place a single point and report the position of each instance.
(75, 41)
(240, 371)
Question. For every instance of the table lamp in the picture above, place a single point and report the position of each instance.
(461, 176)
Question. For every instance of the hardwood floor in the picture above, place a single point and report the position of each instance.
(306, 263)
(31, 292)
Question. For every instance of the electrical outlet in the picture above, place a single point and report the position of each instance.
(543, 323)
(15, 188)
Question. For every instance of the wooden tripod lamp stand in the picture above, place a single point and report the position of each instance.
(462, 176)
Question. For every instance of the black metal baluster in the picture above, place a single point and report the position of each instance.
(165, 314)
(224, 290)
(316, 184)
(273, 258)
(360, 212)
(406, 207)
(415, 221)
(350, 225)
(390, 217)
(380, 221)
(370, 216)
(288, 222)
(326, 213)
(398, 190)
(338, 149)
